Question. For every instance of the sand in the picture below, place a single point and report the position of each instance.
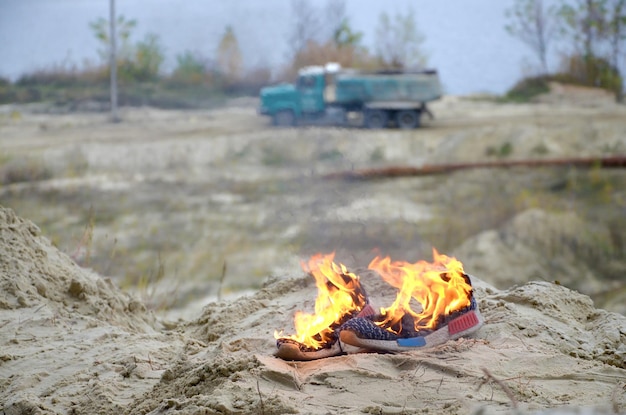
(71, 342)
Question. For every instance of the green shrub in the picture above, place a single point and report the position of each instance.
(590, 71)
(576, 70)
(528, 88)
(64, 76)
(503, 151)
(23, 170)
(378, 154)
(274, 156)
(540, 149)
(145, 63)
(330, 155)
(190, 69)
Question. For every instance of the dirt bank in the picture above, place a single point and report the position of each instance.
(71, 342)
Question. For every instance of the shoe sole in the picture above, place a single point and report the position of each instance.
(290, 350)
(466, 324)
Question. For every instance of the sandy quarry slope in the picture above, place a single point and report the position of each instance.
(163, 200)
(71, 342)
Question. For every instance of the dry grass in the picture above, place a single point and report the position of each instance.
(191, 191)
(23, 170)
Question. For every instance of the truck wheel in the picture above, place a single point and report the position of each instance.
(376, 119)
(284, 118)
(408, 119)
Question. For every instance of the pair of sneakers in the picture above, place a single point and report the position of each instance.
(360, 330)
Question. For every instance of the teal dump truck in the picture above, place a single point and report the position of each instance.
(329, 95)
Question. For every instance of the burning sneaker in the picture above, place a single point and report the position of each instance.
(448, 308)
(340, 298)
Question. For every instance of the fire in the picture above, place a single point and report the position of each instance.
(440, 287)
(339, 297)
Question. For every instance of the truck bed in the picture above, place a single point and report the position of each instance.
(363, 88)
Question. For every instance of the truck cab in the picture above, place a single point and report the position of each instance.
(286, 103)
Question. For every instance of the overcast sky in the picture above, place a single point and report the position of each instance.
(465, 39)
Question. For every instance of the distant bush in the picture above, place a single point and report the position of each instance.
(378, 154)
(166, 95)
(589, 71)
(191, 69)
(505, 150)
(7, 94)
(575, 70)
(64, 76)
(251, 82)
(59, 84)
(195, 82)
(528, 88)
(144, 64)
(23, 170)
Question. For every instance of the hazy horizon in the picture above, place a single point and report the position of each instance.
(464, 39)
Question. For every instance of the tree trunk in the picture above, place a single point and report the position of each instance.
(113, 63)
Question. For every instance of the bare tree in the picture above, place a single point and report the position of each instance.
(113, 63)
(306, 26)
(398, 42)
(313, 24)
(616, 33)
(597, 29)
(534, 24)
(616, 30)
(585, 23)
(334, 17)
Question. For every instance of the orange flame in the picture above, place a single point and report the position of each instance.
(339, 296)
(440, 287)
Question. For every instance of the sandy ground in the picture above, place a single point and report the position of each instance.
(73, 343)
(176, 195)
(162, 201)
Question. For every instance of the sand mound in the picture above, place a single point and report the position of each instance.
(35, 274)
(577, 95)
(548, 342)
(539, 245)
(69, 339)
(71, 343)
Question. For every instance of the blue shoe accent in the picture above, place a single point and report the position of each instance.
(412, 342)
